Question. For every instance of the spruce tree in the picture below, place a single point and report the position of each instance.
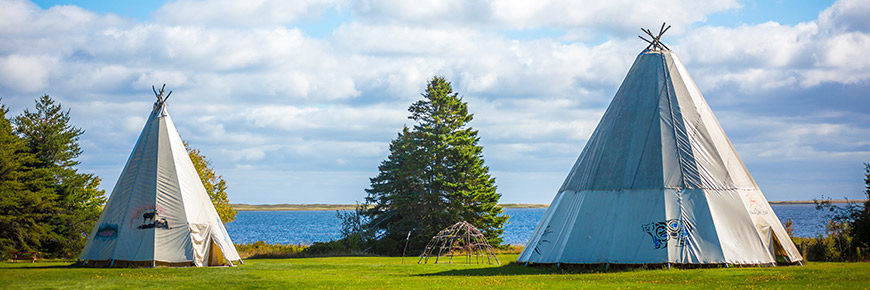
(861, 218)
(434, 177)
(214, 184)
(76, 201)
(25, 199)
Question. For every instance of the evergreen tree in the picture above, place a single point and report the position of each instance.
(50, 136)
(214, 184)
(76, 201)
(23, 213)
(861, 216)
(434, 177)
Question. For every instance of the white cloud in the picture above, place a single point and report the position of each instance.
(260, 96)
(251, 154)
(396, 40)
(147, 79)
(783, 46)
(240, 13)
(797, 138)
(620, 15)
(770, 55)
(846, 15)
(343, 118)
(26, 73)
(533, 120)
(846, 51)
(23, 18)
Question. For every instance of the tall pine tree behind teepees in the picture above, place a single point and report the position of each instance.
(434, 177)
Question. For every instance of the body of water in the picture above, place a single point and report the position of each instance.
(306, 227)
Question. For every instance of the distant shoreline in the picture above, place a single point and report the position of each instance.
(321, 206)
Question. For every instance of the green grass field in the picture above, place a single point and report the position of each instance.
(390, 273)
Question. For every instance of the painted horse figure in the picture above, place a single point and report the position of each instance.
(149, 216)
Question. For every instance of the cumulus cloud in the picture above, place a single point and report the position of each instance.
(520, 14)
(26, 73)
(240, 13)
(262, 98)
(846, 15)
(294, 119)
(800, 138)
(771, 56)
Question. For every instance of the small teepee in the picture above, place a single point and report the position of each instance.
(159, 212)
(458, 240)
(659, 183)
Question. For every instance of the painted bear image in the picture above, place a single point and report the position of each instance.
(661, 232)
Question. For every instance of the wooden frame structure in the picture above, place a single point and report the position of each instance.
(460, 239)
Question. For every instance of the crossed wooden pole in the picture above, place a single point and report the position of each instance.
(655, 43)
(160, 98)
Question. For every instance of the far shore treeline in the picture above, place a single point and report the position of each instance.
(328, 206)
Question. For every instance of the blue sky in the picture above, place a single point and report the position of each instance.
(296, 101)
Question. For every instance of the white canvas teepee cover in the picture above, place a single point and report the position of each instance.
(659, 182)
(159, 211)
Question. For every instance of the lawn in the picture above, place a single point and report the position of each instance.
(390, 273)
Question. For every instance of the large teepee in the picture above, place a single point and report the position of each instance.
(659, 183)
(159, 212)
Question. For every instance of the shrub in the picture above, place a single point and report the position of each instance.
(333, 248)
(837, 246)
(848, 230)
(508, 249)
(261, 249)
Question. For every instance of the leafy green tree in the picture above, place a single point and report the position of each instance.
(214, 184)
(74, 201)
(434, 177)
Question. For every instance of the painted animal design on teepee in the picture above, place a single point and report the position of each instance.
(149, 216)
(672, 229)
(149, 221)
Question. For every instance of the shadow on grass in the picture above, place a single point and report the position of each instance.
(308, 255)
(520, 269)
(36, 266)
(514, 269)
(506, 270)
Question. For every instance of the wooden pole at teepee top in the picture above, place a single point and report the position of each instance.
(160, 98)
(655, 43)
